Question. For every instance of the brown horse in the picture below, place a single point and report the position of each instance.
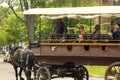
(23, 59)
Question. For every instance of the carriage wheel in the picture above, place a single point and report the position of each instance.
(82, 73)
(43, 74)
(113, 72)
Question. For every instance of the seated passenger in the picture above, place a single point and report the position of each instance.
(96, 33)
(110, 35)
(116, 33)
(82, 33)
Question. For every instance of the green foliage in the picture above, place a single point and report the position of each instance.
(63, 3)
(44, 27)
(3, 36)
(14, 28)
(4, 12)
(47, 25)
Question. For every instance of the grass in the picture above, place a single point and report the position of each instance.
(97, 70)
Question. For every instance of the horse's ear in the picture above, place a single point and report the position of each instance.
(11, 49)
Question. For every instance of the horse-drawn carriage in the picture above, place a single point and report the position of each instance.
(58, 58)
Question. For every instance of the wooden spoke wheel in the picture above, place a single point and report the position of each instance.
(43, 74)
(82, 73)
(113, 72)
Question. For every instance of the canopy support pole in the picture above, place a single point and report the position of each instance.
(40, 33)
(90, 25)
(100, 22)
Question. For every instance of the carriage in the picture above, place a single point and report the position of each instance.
(62, 58)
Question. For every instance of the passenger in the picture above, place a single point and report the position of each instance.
(60, 27)
(82, 33)
(116, 33)
(96, 33)
(110, 35)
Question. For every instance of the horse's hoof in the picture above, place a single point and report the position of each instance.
(31, 79)
(21, 78)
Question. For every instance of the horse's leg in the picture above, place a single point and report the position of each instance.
(28, 72)
(35, 70)
(20, 73)
(16, 72)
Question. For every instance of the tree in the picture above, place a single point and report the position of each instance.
(14, 28)
(73, 3)
(22, 5)
(3, 36)
(4, 12)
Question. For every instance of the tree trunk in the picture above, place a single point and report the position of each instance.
(30, 27)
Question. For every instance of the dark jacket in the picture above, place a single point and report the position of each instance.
(60, 28)
(116, 35)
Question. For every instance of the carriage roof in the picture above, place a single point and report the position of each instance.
(75, 12)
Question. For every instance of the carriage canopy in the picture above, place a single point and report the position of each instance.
(75, 12)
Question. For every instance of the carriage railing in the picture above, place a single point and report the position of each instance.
(73, 38)
(58, 37)
(51, 38)
(63, 38)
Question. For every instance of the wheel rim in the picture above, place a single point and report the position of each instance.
(83, 73)
(43, 74)
(113, 72)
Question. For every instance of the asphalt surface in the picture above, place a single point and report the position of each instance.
(7, 73)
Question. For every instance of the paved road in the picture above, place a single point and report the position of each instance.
(7, 73)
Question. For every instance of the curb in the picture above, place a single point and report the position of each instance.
(96, 76)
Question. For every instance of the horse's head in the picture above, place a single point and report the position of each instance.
(13, 49)
(23, 58)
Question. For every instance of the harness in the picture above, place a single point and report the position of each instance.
(21, 61)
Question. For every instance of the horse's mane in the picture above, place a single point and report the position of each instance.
(13, 49)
